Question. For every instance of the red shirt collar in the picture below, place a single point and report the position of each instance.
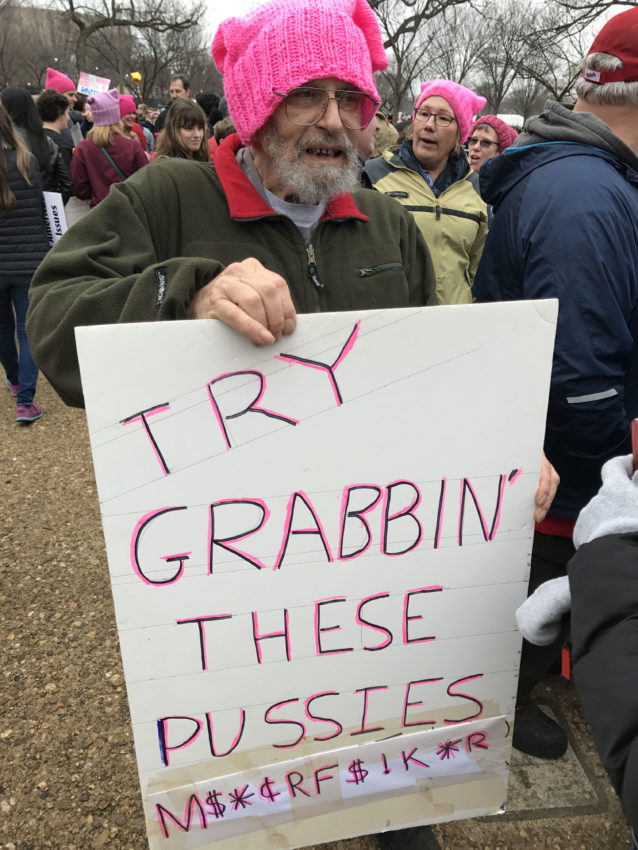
(244, 201)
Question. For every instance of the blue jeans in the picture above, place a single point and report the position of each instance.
(20, 368)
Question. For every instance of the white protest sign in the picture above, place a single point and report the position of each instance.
(54, 216)
(316, 550)
(90, 84)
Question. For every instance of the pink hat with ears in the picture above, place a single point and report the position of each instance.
(286, 43)
(58, 82)
(464, 102)
(127, 104)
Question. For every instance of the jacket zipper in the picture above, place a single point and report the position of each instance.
(312, 267)
(384, 267)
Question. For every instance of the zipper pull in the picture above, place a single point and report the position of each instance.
(312, 267)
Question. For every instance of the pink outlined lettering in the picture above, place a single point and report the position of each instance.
(324, 367)
(266, 790)
(252, 407)
(202, 632)
(320, 629)
(407, 704)
(277, 705)
(319, 779)
(389, 517)
(319, 719)
(161, 734)
(141, 415)
(359, 514)
(435, 588)
(487, 535)
(363, 622)
(465, 696)
(257, 638)
(135, 539)
(185, 825)
(236, 739)
(511, 478)
(222, 542)
(294, 786)
(439, 514)
(410, 758)
(288, 530)
(386, 769)
(364, 716)
(476, 740)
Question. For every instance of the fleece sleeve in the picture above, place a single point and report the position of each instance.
(109, 267)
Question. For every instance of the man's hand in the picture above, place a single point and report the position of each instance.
(252, 300)
(547, 486)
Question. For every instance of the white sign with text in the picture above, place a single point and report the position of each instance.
(316, 550)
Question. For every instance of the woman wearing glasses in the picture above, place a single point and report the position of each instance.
(429, 174)
(488, 137)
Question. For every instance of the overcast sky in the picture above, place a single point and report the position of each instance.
(218, 10)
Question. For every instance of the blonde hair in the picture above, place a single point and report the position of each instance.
(103, 136)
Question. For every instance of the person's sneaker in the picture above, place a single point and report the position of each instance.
(537, 734)
(13, 388)
(28, 413)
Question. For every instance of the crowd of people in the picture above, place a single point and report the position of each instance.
(453, 208)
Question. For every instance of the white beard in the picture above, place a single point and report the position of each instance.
(313, 184)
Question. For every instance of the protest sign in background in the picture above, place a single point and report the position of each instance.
(90, 84)
(316, 550)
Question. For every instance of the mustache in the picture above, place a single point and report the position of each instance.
(324, 139)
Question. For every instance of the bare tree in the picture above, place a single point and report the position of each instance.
(157, 16)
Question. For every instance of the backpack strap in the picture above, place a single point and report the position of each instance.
(110, 159)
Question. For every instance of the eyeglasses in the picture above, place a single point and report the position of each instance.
(440, 118)
(306, 105)
(484, 143)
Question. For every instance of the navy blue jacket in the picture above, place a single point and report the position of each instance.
(566, 225)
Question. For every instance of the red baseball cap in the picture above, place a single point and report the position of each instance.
(619, 37)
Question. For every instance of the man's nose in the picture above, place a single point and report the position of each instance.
(331, 118)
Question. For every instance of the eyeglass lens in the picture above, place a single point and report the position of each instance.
(440, 119)
(306, 105)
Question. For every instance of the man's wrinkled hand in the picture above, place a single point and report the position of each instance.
(249, 298)
(547, 487)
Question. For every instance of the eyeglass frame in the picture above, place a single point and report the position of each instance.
(284, 97)
(483, 143)
(417, 116)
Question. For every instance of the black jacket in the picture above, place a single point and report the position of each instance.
(603, 580)
(23, 240)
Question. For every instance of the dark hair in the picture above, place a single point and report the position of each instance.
(20, 106)
(51, 104)
(184, 81)
(10, 139)
(209, 102)
(183, 113)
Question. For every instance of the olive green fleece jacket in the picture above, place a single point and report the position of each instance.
(141, 254)
(454, 224)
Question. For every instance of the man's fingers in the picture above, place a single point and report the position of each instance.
(238, 319)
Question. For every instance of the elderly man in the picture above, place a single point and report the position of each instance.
(566, 225)
(276, 226)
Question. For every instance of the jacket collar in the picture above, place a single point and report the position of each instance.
(245, 202)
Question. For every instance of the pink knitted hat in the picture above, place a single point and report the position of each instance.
(127, 104)
(505, 133)
(58, 82)
(464, 102)
(286, 43)
(105, 108)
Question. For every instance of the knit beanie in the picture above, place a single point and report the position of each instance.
(286, 43)
(464, 102)
(58, 82)
(127, 104)
(505, 133)
(105, 108)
